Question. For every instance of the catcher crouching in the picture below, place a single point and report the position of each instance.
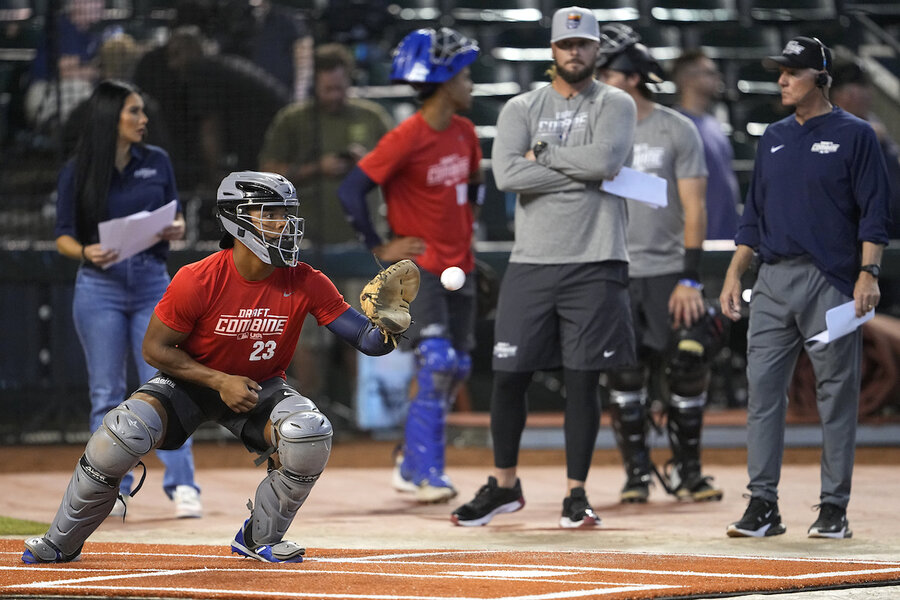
(222, 336)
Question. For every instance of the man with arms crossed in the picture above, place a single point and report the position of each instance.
(564, 297)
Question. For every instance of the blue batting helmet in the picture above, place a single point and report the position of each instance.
(432, 56)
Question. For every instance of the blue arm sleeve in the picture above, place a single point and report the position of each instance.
(352, 194)
(354, 328)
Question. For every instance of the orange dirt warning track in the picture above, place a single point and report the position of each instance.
(176, 571)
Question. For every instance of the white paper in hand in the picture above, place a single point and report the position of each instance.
(643, 187)
(839, 321)
(136, 232)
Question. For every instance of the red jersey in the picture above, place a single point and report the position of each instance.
(424, 175)
(241, 327)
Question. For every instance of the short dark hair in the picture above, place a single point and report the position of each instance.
(329, 57)
(847, 72)
(685, 60)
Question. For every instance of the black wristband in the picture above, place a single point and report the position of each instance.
(83, 255)
(692, 258)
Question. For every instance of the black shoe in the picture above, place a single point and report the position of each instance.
(636, 489)
(699, 489)
(832, 523)
(490, 500)
(577, 512)
(760, 519)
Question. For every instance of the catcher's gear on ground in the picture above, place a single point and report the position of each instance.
(385, 299)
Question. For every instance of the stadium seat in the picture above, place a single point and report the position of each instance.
(504, 11)
(753, 114)
(792, 10)
(604, 10)
(734, 41)
(415, 12)
(754, 79)
(694, 11)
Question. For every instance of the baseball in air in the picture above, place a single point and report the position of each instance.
(453, 278)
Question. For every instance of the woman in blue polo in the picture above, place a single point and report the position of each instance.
(113, 174)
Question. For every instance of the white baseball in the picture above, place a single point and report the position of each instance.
(453, 278)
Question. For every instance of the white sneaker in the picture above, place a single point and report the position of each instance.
(187, 502)
(118, 510)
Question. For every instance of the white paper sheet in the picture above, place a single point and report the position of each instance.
(136, 232)
(840, 321)
(643, 187)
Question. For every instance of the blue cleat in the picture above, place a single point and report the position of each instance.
(282, 552)
(40, 550)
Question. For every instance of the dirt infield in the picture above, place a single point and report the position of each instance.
(166, 571)
(354, 513)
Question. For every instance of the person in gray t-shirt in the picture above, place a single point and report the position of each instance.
(564, 297)
(675, 333)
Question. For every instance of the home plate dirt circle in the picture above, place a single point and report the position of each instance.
(178, 571)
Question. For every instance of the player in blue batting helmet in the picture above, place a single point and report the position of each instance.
(428, 56)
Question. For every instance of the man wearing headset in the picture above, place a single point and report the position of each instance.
(816, 214)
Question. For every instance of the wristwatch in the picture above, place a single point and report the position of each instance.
(538, 148)
(873, 270)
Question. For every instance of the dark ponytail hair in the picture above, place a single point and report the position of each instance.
(95, 155)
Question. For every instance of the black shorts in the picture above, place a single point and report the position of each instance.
(650, 310)
(438, 312)
(572, 315)
(188, 405)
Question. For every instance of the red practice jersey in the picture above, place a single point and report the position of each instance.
(424, 175)
(241, 327)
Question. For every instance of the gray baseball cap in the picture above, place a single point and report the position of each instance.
(574, 22)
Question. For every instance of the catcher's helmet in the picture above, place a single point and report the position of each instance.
(621, 50)
(709, 333)
(429, 56)
(260, 211)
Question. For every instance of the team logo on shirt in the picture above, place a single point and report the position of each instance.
(563, 123)
(648, 158)
(145, 173)
(505, 350)
(251, 323)
(451, 169)
(825, 147)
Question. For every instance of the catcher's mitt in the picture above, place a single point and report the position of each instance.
(385, 299)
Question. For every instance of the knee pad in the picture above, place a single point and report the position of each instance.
(628, 411)
(128, 432)
(303, 438)
(688, 369)
(437, 362)
(627, 380)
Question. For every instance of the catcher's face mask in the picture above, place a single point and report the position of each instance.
(260, 210)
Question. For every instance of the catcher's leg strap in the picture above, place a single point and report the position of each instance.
(437, 363)
(128, 432)
(303, 441)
